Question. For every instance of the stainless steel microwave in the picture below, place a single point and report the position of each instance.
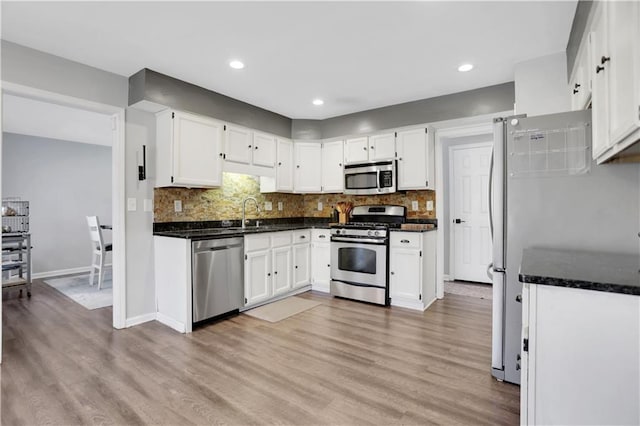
(370, 178)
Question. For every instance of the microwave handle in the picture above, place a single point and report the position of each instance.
(379, 183)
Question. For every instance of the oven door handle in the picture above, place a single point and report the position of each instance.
(360, 240)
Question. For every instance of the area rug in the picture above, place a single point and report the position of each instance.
(78, 289)
(482, 291)
(282, 309)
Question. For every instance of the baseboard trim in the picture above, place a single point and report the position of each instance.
(130, 322)
(59, 272)
(170, 322)
(446, 277)
(324, 288)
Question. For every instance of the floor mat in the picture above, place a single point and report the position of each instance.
(482, 291)
(78, 289)
(282, 309)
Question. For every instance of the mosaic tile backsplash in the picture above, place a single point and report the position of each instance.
(225, 203)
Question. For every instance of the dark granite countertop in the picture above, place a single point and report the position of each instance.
(609, 272)
(214, 233)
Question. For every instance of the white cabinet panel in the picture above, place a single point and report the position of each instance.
(308, 170)
(284, 168)
(301, 264)
(382, 147)
(332, 168)
(239, 145)
(281, 270)
(356, 150)
(257, 276)
(189, 150)
(405, 279)
(264, 149)
(414, 161)
(320, 266)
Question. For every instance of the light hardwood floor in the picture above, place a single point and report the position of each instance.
(339, 363)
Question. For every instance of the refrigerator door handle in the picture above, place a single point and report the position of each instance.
(490, 271)
(497, 188)
(491, 198)
(497, 319)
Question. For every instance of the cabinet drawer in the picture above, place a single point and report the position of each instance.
(302, 236)
(257, 242)
(406, 239)
(320, 235)
(280, 239)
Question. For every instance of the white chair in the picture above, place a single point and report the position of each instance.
(100, 250)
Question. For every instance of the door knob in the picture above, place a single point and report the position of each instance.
(459, 221)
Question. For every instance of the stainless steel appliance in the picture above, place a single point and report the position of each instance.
(370, 178)
(360, 253)
(547, 192)
(218, 277)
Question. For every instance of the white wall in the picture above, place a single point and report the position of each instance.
(140, 130)
(541, 85)
(64, 182)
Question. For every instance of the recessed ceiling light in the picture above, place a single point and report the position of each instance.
(465, 67)
(318, 102)
(236, 65)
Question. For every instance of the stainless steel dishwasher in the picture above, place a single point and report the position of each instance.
(218, 277)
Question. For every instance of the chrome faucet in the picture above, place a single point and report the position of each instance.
(244, 209)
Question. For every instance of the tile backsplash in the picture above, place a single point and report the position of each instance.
(225, 203)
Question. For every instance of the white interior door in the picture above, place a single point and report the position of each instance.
(472, 246)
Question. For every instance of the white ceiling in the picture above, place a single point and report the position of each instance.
(26, 116)
(354, 55)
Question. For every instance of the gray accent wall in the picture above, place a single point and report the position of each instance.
(33, 68)
(578, 27)
(64, 182)
(154, 87)
(485, 100)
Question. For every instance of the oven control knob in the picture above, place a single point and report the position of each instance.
(376, 233)
(370, 233)
(338, 231)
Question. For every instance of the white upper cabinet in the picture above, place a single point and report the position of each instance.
(415, 158)
(332, 168)
(382, 147)
(249, 147)
(189, 150)
(307, 175)
(264, 149)
(580, 82)
(239, 146)
(284, 167)
(370, 148)
(615, 64)
(356, 150)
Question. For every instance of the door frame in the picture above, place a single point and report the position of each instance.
(451, 193)
(118, 158)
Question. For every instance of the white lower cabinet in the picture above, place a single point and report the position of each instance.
(580, 357)
(320, 260)
(412, 269)
(301, 258)
(275, 264)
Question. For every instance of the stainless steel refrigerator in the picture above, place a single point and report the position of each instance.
(547, 192)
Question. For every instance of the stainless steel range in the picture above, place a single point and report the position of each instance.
(360, 253)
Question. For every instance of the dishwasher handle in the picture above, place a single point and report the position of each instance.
(219, 248)
(204, 246)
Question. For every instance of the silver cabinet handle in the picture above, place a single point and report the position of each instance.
(303, 237)
(405, 241)
(322, 236)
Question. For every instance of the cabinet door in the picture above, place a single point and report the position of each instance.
(405, 274)
(239, 144)
(284, 169)
(382, 147)
(301, 263)
(332, 169)
(257, 276)
(600, 109)
(356, 150)
(264, 150)
(308, 171)
(622, 68)
(321, 266)
(412, 159)
(281, 270)
(576, 87)
(197, 143)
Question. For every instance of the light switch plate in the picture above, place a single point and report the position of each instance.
(320, 206)
(132, 204)
(177, 206)
(280, 206)
(414, 205)
(429, 205)
(148, 205)
(268, 205)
